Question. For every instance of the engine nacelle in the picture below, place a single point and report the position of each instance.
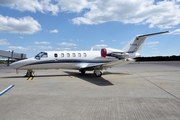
(103, 52)
(113, 53)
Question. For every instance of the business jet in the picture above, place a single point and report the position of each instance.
(84, 60)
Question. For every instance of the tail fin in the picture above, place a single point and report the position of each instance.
(136, 44)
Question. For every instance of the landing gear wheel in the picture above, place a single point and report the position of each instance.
(97, 73)
(29, 73)
(82, 71)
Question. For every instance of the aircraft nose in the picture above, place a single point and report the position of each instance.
(14, 65)
(20, 64)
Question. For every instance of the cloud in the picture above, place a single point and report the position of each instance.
(46, 6)
(153, 43)
(32, 5)
(122, 42)
(73, 5)
(152, 46)
(21, 37)
(54, 31)
(17, 48)
(65, 44)
(30, 48)
(39, 48)
(177, 31)
(99, 46)
(25, 25)
(63, 49)
(161, 14)
(43, 42)
(156, 14)
(102, 40)
(43, 47)
(4, 42)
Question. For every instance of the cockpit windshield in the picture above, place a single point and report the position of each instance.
(41, 55)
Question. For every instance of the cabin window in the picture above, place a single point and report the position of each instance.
(74, 55)
(68, 55)
(62, 54)
(41, 55)
(79, 54)
(55, 55)
(84, 54)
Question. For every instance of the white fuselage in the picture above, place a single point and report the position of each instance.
(63, 59)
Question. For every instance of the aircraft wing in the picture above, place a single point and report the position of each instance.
(102, 66)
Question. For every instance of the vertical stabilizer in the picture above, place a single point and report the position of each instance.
(136, 44)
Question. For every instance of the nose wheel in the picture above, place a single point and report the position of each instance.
(29, 73)
(97, 73)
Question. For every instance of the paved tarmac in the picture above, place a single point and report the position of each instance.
(137, 91)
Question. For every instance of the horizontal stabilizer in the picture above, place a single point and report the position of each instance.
(146, 35)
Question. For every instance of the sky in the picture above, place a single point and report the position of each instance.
(32, 26)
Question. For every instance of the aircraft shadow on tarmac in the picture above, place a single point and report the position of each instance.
(115, 73)
(89, 77)
(100, 81)
(34, 76)
(13, 77)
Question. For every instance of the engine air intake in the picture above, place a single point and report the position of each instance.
(103, 52)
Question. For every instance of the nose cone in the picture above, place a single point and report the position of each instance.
(15, 65)
(20, 64)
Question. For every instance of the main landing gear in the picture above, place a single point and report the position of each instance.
(97, 73)
(29, 73)
(82, 71)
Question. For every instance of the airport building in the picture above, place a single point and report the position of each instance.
(11, 55)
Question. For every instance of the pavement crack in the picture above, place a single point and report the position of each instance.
(159, 87)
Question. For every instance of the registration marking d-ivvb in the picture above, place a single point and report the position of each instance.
(7, 89)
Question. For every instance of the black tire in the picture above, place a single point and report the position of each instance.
(82, 71)
(98, 75)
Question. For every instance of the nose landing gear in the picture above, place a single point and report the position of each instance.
(29, 73)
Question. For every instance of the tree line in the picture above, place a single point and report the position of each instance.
(159, 58)
(6, 61)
